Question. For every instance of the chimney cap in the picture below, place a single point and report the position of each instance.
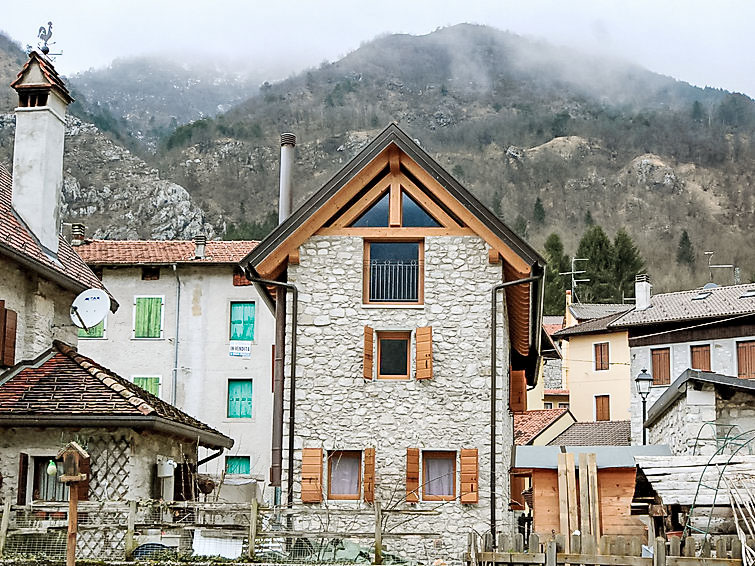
(288, 138)
(642, 278)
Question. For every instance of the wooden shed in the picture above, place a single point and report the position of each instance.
(616, 474)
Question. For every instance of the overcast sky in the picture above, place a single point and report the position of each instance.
(703, 42)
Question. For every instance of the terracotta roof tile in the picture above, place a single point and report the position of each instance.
(17, 239)
(588, 311)
(146, 252)
(596, 325)
(63, 382)
(49, 72)
(556, 392)
(529, 424)
(601, 433)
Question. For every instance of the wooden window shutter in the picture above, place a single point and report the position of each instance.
(469, 476)
(661, 362)
(23, 472)
(311, 475)
(601, 356)
(369, 475)
(412, 475)
(746, 359)
(517, 390)
(602, 408)
(84, 468)
(424, 352)
(369, 352)
(8, 326)
(700, 357)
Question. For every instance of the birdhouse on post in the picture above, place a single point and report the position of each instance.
(73, 456)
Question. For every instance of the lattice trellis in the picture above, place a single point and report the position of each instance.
(101, 544)
(110, 457)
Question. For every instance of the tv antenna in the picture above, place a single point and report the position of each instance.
(89, 308)
(712, 267)
(574, 272)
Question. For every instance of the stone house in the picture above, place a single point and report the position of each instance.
(193, 331)
(388, 278)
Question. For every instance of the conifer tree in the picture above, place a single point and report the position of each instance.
(597, 249)
(588, 219)
(554, 300)
(627, 263)
(685, 253)
(538, 213)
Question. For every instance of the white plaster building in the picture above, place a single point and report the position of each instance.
(185, 309)
(394, 264)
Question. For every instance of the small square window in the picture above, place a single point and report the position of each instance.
(47, 487)
(393, 272)
(393, 355)
(547, 405)
(238, 465)
(344, 474)
(563, 405)
(151, 384)
(242, 321)
(239, 398)
(150, 273)
(438, 476)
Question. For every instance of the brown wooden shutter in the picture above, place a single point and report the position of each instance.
(517, 391)
(746, 359)
(601, 356)
(424, 337)
(661, 361)
(9, 344)
(369, 475)
(412, 475)
(700, 357)
(369, 352)
(23, 472)
(84, 468)
(469, 476)
(602, 408)
(311, 475)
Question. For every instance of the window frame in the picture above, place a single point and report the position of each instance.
(563, 405)
(595, 407)
(162, 318)
(394, 335)
(607, 360)
(436, 454)
(547, 405)
(699, 348)
(741, 346)
(159, 383)
(104, 331)
(232, 302)
(238, 457)
(228, 416)
(652, 366)
(366, 270)
(32, 485)
(331, 456)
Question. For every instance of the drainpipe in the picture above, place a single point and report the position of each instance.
(280, 332)
(494, 385)
(210, 457)
(175, 345)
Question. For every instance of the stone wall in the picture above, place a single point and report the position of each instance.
(338, 409)
(739, 410)
(552, 374)
(681, 425)
(42, 307)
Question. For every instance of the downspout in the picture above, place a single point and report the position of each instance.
(210, 457)
(494, 385)
(175, 345)
(277, 452)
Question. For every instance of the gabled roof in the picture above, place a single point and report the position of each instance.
(589, 311)
(18, 242)
(520, 260)
(697, 304)
(594, 326)
(553, 324)
(600, 433)
(158, 252)
(528, 425)
(63, 388)
(679, 388)
(47, 77)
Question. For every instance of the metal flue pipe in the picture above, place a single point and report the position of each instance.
(286, 199)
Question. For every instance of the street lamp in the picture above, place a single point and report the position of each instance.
(643, 382)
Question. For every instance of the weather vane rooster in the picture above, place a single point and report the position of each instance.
(44, 34)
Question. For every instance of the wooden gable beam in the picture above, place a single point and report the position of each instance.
(372, 196)
(394, 216)
(427, 203)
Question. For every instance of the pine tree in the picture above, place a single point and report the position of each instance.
(538, 213)
(627, 263)
(555, 285)
(588, 219)
(597, 249)
(520, 226)
(685, 253)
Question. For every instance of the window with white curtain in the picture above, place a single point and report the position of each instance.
(344, 474)
(438, 475)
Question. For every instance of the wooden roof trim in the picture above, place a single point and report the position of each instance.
(398, 233)
(363, 204)
(509, 255)
(340, 199)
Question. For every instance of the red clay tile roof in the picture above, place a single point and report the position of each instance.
(144, 252)
(18, 241)
(49, 72)
(63, 383)
(600, 433)
(600, 325)
(552, 323)
(556, 392)
(529, 424)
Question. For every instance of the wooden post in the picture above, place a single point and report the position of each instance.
(621, 546)
(584, 499)
(674, 546)
(588, 545)
(378, 533)
(635, 546)
(659, 552)
(605, 545)
(689, 547)
(504, 543)
(550, 553)
(4, 524)
(563, 499)
(73, 523)
(736, 549)
(487, 542)
(705, 548)
(253, 512)
(721, 547)
(592, 468)
(576, 543)
(560, 542)
(571, 481)
(534, 544)
(518, 542)
(130, 541)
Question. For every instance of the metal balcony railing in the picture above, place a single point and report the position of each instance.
(394, 281)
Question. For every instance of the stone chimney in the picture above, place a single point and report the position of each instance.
(38, 148)
(642, 288)
(200, 242)
(78, 233)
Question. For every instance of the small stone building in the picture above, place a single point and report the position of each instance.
(62, 396)
(395, 264)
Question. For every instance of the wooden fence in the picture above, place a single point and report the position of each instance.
(611, 551)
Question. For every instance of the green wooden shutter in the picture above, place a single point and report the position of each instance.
(97, 331)
(150, 384)
(240, 398)
(148, 317)
(242, 321)
(237, 465)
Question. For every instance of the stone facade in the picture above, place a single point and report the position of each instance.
(42, 306)
(681, 426)
(338, 409)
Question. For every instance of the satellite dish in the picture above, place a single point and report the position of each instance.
(89, 308)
